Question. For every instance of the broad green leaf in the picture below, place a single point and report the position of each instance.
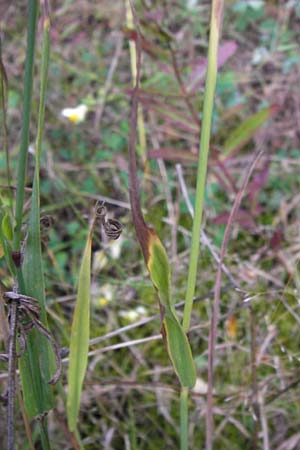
(79, 342)
(244, 132)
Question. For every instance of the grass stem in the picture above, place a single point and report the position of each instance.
(184, 394)
(26, 113)
(133, 64)
(210, 85)
(211, 77)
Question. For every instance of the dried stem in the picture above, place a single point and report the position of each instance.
(255, 405)
(12, 362)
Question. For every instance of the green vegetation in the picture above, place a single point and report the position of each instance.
(131, 378)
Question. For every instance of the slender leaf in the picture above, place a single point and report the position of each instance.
(26, 114)
(35, 363)
(79, 343)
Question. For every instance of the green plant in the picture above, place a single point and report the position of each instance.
(23, 252)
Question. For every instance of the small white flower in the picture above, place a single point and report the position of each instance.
(75, 115)
(103, 296)
(130, 315)
(141, 310)
(133, 314)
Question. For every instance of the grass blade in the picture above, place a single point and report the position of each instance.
(35, 363)
(26, 113)
(79, 343)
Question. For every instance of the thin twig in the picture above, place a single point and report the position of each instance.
(255, 405)
(215, 314)
(277, 394)
(11, 390)
(264, 423)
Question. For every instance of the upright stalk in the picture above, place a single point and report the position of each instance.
(133, 63)
(26, 113)
(210, 85)
(184, 438)
(11, 389)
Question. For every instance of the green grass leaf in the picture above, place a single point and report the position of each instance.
(79, 343)
(36, 361)
(34, 364)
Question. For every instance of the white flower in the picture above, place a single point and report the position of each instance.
(130, 315)
(133, 314)
(75, 115)
(103, 296)
(141, 310)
